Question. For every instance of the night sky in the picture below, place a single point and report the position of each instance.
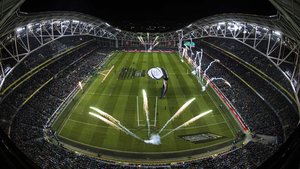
(152, 16)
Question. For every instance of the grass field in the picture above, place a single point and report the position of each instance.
(120, 95)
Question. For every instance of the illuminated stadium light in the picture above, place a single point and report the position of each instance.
(189, 25)
(230, 23)
(66, 21)
(29, 26)
(179, 30)
(107, 24)
(277, 33)
(233, 27)
(221, 23)
(20, 29)
(75, 21)
(266, 29)
(237, 23)
(118, 29)
(56, 22)
(43, 22)
(38, 29)
(206, 27)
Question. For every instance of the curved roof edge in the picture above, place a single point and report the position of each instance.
(289, 12)
(285, 20)
(274, 22)
(8, 10)
(25, 18)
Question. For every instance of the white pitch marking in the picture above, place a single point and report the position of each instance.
(155, 111)
(137, 110)
(107, 73)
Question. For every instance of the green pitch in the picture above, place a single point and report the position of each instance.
(120, 95)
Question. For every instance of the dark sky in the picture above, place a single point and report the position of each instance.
(139, 15)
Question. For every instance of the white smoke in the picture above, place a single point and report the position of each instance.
(154, 139)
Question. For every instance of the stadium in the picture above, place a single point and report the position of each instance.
(220, 92)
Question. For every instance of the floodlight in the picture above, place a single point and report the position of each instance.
(29, 26)
(277, 33)
(20, 29)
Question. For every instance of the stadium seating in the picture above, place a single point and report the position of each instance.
(274, 100)
(252, 56)
(27, 118)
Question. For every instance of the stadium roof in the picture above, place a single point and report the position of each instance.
(287, 20)
(289, 15)
(8, 11)
(25, 18)
(274, 22)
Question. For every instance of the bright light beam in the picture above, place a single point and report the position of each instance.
(142, 40)
(204, 74)
(107, 121)
(130, 133)
(213, 79)
(179, 111)
(116, 126)
(146, 109)
(226, 82)
(106, 115)
(155, 40)
(155, 44)
(188, 122)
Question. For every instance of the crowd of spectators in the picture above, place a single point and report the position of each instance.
(50, 155)
(259, 118)
(266, 92)
(43, 53)
(13, 99)
(27, 121)
(252, 56)
(24, 120)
